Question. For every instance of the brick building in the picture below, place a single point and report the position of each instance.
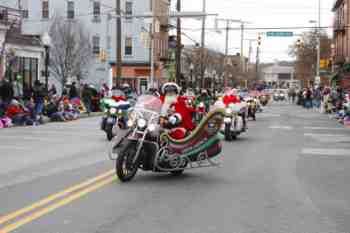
(341, 53)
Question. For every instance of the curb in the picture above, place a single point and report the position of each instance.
(47, 120)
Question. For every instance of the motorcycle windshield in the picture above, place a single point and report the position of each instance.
(149, 103)
(118, 92)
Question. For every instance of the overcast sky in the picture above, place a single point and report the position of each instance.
(261, 13)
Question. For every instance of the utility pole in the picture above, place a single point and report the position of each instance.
(257, 62)
(227, 29)
(242, 47)
(318, 42)
(178, 45)
(108, 51)
(119, 43)
(203, 45)
(152, 35)
(226, 51)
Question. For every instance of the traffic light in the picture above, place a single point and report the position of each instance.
(103, 56)
(259, 40)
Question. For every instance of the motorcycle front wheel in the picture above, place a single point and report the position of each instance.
(228, 133)
(125, 168)
(109, 132)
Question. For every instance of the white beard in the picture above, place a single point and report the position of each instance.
(166, 106)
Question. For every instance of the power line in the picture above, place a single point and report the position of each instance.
(265, 28)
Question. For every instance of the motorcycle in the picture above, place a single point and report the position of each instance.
(252, 109)
(279, 97)
(233, 122)
(148, 147)
(264, 100)
(115, 116)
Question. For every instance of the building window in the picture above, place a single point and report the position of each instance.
(97, 11)
(70, 10)
(128, 46)
(96, 45)
(25, 14)
(128, 10)
(45, 9)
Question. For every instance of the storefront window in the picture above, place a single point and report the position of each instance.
(26, 69)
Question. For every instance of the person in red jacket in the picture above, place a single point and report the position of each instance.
(231, 98)
(172, 103)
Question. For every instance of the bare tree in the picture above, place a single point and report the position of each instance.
(71, 51)
(305, 53)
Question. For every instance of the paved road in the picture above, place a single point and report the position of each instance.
(288, 174)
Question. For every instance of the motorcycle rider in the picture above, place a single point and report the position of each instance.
(204, 98)
(173, 103)
(233, 98)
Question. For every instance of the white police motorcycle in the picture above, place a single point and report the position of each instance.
(233, 124)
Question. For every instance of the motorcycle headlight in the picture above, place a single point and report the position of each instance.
(201, 105)
(228, 111)
(152, 127)
(112, 111)
(130, 123)
(227, 120)
(120, 111)
(141, 123)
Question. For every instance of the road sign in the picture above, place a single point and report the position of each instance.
(279, 34)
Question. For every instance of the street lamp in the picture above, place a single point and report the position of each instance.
(318, 34)
(46, 39)
(191, 73)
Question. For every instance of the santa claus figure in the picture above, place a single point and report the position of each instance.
(231, 97)
(173, 103)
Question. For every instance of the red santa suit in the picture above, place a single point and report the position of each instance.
(231, 99)
(181, 107)
(178, 133)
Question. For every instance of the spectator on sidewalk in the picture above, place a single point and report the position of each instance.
(73, 91)
(39, 94)
(27, 94)
(86, 97)
(6, 92)
(308, 98)
(17, 88)
(52, 91)
(53, 111)
(18, 114)
(317, 96)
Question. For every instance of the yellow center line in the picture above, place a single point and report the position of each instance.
(53, 197)
(56, 205)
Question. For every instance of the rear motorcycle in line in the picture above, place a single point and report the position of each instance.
(233, 122)
(116, 116)
(252, 109)
(148, 147)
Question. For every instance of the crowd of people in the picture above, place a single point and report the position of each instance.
(327, 100)
(20, 106)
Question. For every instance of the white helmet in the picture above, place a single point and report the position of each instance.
(170, 87)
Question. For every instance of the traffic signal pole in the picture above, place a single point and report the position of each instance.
(178, 45)
(202, 46)
(119, 43)
(226, 51)
(242, 47)
(257, 61)
(318, 40)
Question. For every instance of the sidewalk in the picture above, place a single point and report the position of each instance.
(47, 120)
